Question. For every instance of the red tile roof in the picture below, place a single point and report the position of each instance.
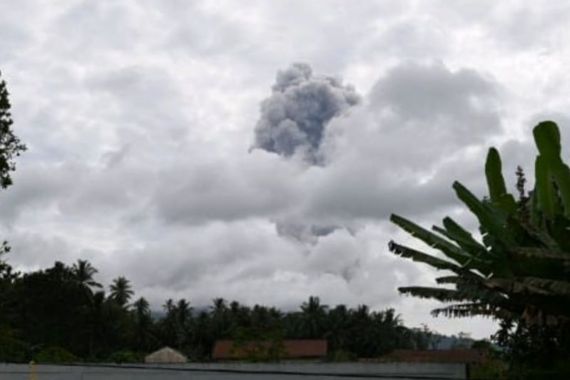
(293, 349)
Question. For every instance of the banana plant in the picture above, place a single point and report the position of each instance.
(521, 265)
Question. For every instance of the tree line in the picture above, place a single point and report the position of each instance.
(64, 310)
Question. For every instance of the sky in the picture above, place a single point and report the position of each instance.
(255, 150)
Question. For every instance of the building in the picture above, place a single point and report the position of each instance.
(305, 349)
(165, 355)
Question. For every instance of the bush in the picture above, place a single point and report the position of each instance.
(13, 350)
(341, 356)
(55, 355)
(491, 369)
(125, 356)
(558, 370)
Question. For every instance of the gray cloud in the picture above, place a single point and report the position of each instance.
(139, 118)
(387, 155)
(303, 232)
(375, 165)
(295, 116)
(220, 190)
(433, 94)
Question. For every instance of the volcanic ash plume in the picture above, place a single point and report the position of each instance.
(294, 118)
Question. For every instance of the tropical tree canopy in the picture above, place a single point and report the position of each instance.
(84, 272)
(10, 147)
(521, 266)
(121, 291)
(50, 308)
(10, 144)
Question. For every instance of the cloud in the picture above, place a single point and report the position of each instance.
(303, 232)
(294, 118)
(215, 189)
(139, 121)
(463, 103)
(421, 127)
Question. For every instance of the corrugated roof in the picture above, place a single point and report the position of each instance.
(165, 355)
(292, 349)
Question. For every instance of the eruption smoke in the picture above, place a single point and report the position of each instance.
(294, 118)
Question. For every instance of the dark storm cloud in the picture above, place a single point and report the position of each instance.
(294, 118)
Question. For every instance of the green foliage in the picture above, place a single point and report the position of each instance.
(55, 355)
(533, 345)
(495, 369)
(121, 291)
(10, 144)
(553, 178)
(341, 356)
(58, 307)
(13, 350)
(557, 370)
(496, 183)
(520, 271)
(125, 356)
(257, 345)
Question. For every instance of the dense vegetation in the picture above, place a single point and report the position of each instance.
(519, 272)
(63, 309)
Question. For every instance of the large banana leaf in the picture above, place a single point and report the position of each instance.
(440, 294)
(542, 254)
(494, 221)
(496, 183)
(470, 246)
(449, 249)
(551, 169)
(461, 235)
(523, 262)
(544, 192)
(471, 309)
(422, 257)
(561, 174)
(532, 285)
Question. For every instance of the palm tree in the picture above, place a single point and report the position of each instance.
(121, 291)
(143, 324)
(141, 307)
(312, 318)
(183, 319)
(83, 272)
(220, 318)
(168, 323)
(96, 321)
(183, 311)
(168, 305)
(219, 306)
(364, 339)
(338, 323)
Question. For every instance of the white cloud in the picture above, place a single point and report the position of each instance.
(139, 117)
